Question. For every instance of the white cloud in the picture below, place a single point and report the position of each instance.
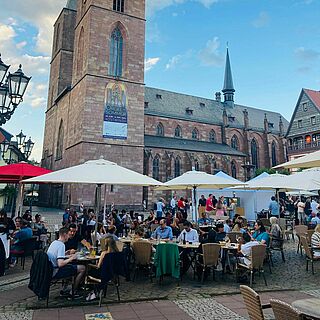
(262, 20)
(209, 55)
(6, 32)
(38, 102)
(306, 54)
(173, 61)
(150, 63)
(21, 44)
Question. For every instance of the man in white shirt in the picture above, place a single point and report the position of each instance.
(188, 234)
(62, 267)
(314, 206)
(173, 205)
(301, 215)
(245, 248)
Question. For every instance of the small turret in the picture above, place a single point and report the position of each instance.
(228, 89)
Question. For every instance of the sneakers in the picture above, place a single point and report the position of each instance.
(91, 296)
(75, 296)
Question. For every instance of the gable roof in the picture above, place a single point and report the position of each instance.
(173, 105)
(314, 96)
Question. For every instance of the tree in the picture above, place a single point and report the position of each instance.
(271, 171)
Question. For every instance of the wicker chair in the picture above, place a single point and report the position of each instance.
(233, 235)
(154, 226)
(142, 252)
(253, 303)
(258, 254)
(284, 227)
(309, 253)
(308, 235)
(300, 231)
(276, 245)
(210, 258)
(283, 311)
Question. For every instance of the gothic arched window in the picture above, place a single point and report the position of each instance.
(254, 153)
(235, 142)
(118, 5)
(195, 134)
(178, 132)
(80, 52)
(160, 129)
(116, 53)
(212, 136)
(233, 169)
(273, 154)
(177, 167)
(156, 168)
(196, 165)
(59, 149)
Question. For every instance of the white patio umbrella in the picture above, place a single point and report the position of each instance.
(99, 172)
(307, 180)
(302, 193)
(310, 160)
(192, 180)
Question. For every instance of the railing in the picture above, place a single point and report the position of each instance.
(315, 145)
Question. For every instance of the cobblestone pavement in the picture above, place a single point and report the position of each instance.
(288, 277)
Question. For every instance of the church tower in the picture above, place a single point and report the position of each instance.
(228, 89)
(102, 112)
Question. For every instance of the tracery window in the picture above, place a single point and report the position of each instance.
(212, 136)
(156, 168)
(235, 142)
(177, 167)
(59, 149)
(160, 129)
(178, 132)
(116, 53)
(254, 153)
(273, 154)
(195, 134)
(233, 170)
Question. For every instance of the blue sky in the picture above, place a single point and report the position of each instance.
(274, 49)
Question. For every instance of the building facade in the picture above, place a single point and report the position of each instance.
(303, 134)
(98, 105)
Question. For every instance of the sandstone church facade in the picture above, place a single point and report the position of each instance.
(98, 105)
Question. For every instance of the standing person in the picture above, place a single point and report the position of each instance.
(160, 207)
(220, 208)
(209, 205)
(274, 207)
(173, 205)
(181, 206)
(66, 217)
(202, 205)
(301, 215)
(314, 206)
(307, 208)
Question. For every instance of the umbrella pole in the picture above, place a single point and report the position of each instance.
(278, 199)
(194, 204)
(97, 210)
(19, 200)
(105, 205)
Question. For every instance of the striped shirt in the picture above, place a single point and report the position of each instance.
(315, 242)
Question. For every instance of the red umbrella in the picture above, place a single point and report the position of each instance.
(13, 173)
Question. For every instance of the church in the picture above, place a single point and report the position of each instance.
(98, 105)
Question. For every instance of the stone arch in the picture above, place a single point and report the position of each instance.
(60, 138)
(156, 167)
(195, 134)
(160, 129)
(80, 54)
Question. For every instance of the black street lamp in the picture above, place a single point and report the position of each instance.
(12, 89)
(21, 138)
(28, 146)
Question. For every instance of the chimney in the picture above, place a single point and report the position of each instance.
(218, 96)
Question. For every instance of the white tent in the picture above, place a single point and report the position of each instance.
(310, 160)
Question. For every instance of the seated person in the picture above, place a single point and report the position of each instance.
(27, 216)
(6, 222)
(175, 227)
(75, 240)
(220, 234)
(101, 232)
(244, 248)
(260, 233)
(275, 232)
(227, 225)
(163, 231)
(316, 219)
(23, 233)
(38, 226)
(237, 227)
(188, 234)
(62, 267)
(111, 232)
(315, 241)
(204, 220)
(110, 247)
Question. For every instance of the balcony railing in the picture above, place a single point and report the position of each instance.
(315, 145)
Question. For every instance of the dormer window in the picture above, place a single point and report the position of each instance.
(159, 96)
(189, 111)
(202, 104)
(231, 118)
(118, 5)
(270, 125)
(146, 104)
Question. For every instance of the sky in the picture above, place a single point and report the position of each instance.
(274, 48)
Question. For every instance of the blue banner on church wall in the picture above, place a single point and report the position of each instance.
(115, 120)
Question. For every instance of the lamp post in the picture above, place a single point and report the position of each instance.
(12, 88)
(25, 148)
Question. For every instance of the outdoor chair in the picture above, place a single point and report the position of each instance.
(142, 252)
(284, 311)
(209, 258)
(153, 227)
(234, 235)
(113, 266)
(300, 231)
(258, 254)
(283, 223)
(253, 304)
(265, 222)
(309, 253)
(276, 244)
(28, 248)
(308, 235)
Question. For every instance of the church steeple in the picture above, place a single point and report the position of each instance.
(228, 89)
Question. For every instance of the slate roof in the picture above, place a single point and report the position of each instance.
(314, 96)
(189, 145)
(173, 105)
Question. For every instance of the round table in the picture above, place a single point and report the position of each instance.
(310, 307)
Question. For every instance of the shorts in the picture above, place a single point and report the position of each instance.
(67, 271)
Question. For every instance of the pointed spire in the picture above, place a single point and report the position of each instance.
(228, 89)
